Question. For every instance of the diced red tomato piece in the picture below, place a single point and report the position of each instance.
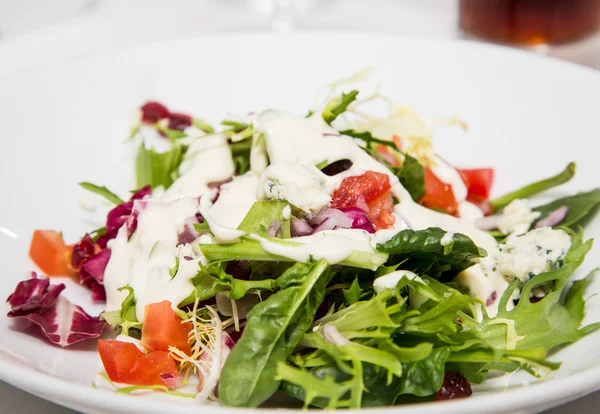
(125, 363)
(153, 112)
(479, 182)
(438, 194)
(371, 193)
(50, 253)
(163, 328)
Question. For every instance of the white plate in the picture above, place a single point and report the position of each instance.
(65, 123)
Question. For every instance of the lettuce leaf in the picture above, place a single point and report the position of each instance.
(157, 168)
(422, 251)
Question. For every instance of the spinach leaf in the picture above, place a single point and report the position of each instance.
(422, 251)
(412, 176)
(157, 168)
(274, 328)
(536, 187)
(103, 192)
(580, 205)
(338, 105)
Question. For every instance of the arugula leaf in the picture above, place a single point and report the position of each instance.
(422, 251)
(581, 206)
(103, 192)
(125, 318)
(544, 324)
(338, 105)
(95, 234)
(157, 168)
(369, 139)
(203, 125)
(238, 287)
(536, 187)
(352, 295)
(274, 328)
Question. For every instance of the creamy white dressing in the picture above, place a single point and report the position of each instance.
(294, 140)
(207, 160)
(449, 175)
(221, 233)
(391, 280)
(235, 200)
(332, 245)
(145, 261)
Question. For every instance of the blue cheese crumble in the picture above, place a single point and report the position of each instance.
(524, 256)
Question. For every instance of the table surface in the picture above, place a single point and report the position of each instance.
(74, 27)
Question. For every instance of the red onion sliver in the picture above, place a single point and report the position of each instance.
(333, 336)
(338, 218)
(554, 218)
(274, 228)
(489, 222)
(300, 228)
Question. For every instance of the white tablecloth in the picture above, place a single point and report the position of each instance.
(33, 32)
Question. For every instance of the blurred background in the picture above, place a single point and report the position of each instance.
(33, 32)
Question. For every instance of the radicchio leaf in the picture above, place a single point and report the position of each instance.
(121, 215)
(61, 321)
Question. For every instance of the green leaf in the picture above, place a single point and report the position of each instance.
(581, 206)
(174, 269)
(320, 388)
(203, 125)
(545, 324)
(103, 192)
(95, 234)
(337, 106)
(422, 251)
(157, 168)
(536, 187)
(260, 216)
(370, 140)
(361, 315)
(247, 249)
(575, 302)
(352, 295)
(125, 318)
(412, 176)
(238, 288)
(274, 328)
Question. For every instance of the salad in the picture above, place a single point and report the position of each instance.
(332, 257)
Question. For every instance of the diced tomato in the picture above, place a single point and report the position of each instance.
(479, 182)
(50, 253)
(125, 363)
(163, 328)
(371, 193)
(438, 194)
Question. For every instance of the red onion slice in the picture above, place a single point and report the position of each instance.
(337, 217)
(488, 222)
(274, 228)
(359, 218)
(554, 218)
(333, 336)
(300, 228)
